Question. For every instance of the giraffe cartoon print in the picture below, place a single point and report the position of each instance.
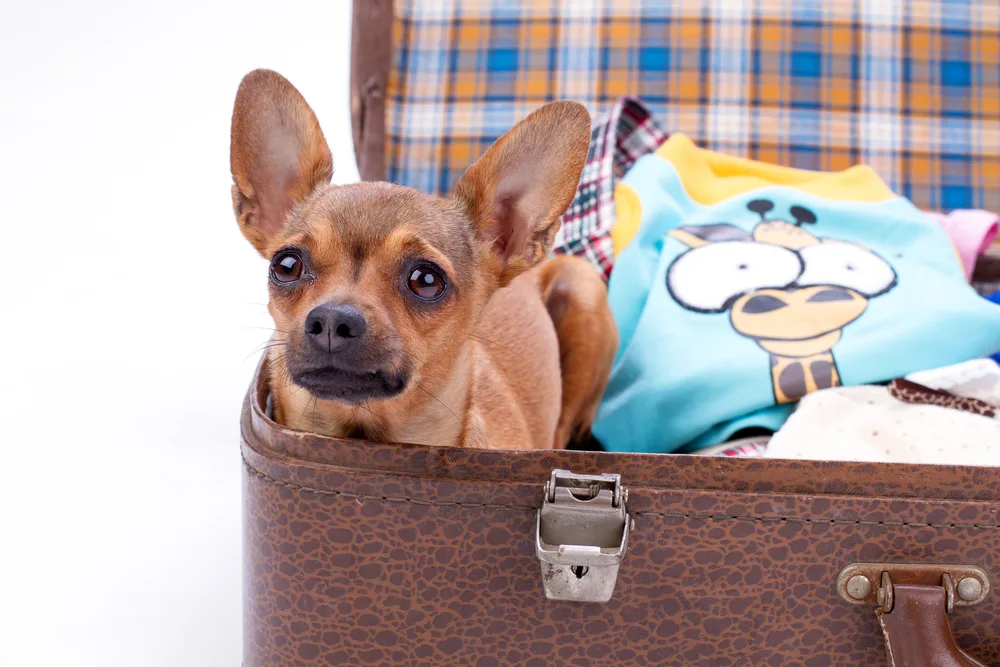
(784, 288)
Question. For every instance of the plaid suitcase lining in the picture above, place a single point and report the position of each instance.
(911, 88)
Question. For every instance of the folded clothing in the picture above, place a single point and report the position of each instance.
(868, 424)
(617, 139)
(746, 448)
(746, 286)
(971, 233)
(943, 416)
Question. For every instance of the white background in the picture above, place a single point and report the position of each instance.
(128, 305)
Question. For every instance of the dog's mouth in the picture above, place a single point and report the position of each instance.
(331, 383)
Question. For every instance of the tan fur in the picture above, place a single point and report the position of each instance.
(577, 302)
(517, 353)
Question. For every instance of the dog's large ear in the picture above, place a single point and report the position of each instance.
(516, 193)
(277, 154)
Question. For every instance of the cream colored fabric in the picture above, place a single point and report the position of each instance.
(867, 424)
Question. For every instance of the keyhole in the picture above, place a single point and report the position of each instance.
(579, 570)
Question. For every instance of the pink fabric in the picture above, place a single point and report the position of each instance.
(971, 232)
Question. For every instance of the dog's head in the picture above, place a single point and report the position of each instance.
(373, 286)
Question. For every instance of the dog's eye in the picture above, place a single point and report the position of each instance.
(426, 282)
(286, 267)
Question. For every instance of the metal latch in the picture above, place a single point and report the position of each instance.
(581, 534)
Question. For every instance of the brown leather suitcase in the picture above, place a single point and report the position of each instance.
(358, 553)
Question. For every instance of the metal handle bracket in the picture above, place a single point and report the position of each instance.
(871, 583)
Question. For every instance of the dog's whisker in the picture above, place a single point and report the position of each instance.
(367, 409)
(421, 388)
(304, 410)
(386, 337)
(269, 329)
(412, 354)
(275, 377)
(493, 342)
(265, 346)
(295, 388)
(270, 344)
(285, 382)
(272, 360)
(281, 379)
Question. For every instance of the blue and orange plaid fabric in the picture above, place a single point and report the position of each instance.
(910, 87)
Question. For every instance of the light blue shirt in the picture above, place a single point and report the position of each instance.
(729, 313)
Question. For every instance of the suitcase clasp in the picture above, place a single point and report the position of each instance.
(581, 534)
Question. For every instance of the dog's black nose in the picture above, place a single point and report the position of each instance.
(330, 327)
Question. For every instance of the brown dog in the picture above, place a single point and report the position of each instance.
(402, 317)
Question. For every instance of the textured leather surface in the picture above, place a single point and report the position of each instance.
(357, 553)
(917, 632)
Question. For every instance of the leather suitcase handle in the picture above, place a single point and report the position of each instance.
(917, 632)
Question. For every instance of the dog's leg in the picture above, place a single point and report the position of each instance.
(577, 301)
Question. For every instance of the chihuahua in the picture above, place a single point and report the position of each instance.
(402, 317)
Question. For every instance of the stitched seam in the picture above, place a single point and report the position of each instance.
(780, 519)
(358, 496)
(885, 634)
(666, 515)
